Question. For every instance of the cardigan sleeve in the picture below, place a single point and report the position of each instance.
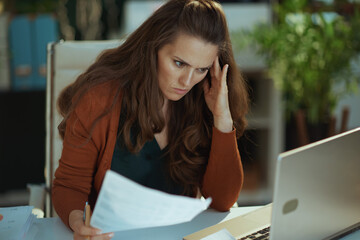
(74, 175)
(223, 178)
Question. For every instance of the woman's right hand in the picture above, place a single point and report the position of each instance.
(82, 232)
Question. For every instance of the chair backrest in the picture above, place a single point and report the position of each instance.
(65, 61)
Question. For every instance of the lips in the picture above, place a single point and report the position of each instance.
(180, 91)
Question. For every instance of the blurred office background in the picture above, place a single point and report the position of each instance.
(26, 26)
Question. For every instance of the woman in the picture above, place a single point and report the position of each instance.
(163, 109)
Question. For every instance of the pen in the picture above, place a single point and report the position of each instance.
(87, 217)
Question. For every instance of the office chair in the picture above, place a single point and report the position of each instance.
(65, 61)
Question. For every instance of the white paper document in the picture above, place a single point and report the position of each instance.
(15, 222)
(123, 205)
(223, 234)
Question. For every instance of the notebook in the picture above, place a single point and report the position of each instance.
(316, 194)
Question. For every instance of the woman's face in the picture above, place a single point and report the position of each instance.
(184, 63)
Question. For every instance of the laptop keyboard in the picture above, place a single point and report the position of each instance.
(262, 234)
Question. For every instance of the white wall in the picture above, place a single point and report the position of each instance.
(245, 16)
(353, 102)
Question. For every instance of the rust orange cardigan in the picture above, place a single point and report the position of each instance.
(83, 163)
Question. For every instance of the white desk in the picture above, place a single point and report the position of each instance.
(53, 228)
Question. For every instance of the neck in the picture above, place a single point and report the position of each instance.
(161, 137)
(165, 108)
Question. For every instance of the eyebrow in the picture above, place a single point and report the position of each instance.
(186, 63)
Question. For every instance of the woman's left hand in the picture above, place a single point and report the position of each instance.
(216, 97)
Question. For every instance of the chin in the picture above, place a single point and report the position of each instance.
(174, 97)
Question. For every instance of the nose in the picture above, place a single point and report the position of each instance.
(186, 78)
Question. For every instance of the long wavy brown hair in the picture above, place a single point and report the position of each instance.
(133, 66)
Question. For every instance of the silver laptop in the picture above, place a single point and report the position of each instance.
(316, 195)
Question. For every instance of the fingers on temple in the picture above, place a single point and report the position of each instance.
(224, 73)
(218, 74)
(216, 69)
(215, 73)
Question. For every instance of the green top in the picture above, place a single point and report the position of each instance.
(147, 167)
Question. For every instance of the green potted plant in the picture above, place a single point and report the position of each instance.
(309, 56)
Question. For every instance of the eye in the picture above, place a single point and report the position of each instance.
(202, 70)
(178, 63)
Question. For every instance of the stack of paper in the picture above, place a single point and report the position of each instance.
(15, 222)
(123, 205)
